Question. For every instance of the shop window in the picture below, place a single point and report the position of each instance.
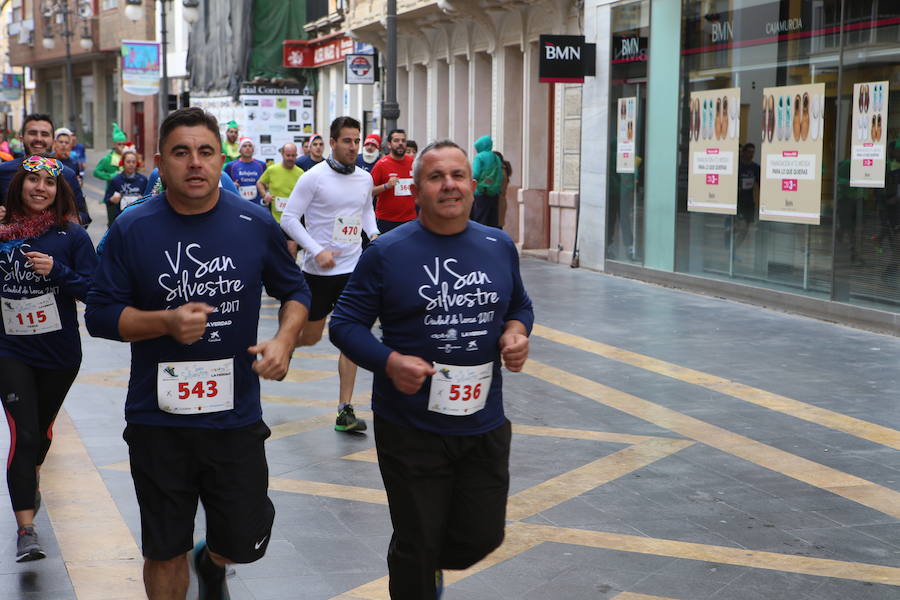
(630, 24)
(781, 62)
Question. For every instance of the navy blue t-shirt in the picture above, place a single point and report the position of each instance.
(365, 166)
(132, 187)
(245, 175)
(306, 163)
(74, 262)
(156, 258)
(443, 298)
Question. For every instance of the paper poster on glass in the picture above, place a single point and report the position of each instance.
(713, 148)
(11, 86)
(140, 67)
(793, 124)
(626, 132)
(868, 147)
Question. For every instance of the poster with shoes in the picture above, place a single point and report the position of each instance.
(793, 127)
(869, 134)
(713, 148)
(626, 134)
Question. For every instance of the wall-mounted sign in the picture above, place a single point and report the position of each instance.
(793, 127)
(714, 129)
(11, 86)
(361, 68)
(311, 54)
(140, 67)
(869, 129)
(566, 59)
(626, 134)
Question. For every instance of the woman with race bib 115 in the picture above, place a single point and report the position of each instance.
(46, 262)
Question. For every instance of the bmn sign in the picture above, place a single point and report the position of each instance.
(566, 59)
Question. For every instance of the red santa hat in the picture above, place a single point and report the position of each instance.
(373, 138)
(244, 140)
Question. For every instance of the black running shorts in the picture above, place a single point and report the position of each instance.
(325, 289)
(226, 469)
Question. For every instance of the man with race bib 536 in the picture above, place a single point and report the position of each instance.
(335, 199)
(453, 308)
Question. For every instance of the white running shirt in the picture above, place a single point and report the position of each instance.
(322, 195)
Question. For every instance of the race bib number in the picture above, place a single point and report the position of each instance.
(460, 391)
(747, 183)
(195, 387)
(347, 230)
(30, 316)
(403, 188)
(128, 201)
(248, 192)
(281, 204)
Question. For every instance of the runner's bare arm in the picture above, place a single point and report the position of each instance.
(186, 324)
(276, 353)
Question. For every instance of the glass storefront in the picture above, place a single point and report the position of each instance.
(627, 110)
(800, 139)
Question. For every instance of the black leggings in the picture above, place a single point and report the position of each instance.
(31, 397)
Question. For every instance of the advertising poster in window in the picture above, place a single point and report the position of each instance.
(274, 116)
(626, 134)
(793, 124)
(714, 130)
(869, 129)
(140, 67)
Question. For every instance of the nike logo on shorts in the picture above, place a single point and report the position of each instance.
(259, 543)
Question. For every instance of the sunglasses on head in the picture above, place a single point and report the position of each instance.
(34, 164)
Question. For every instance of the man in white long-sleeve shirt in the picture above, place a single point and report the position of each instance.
(335, 199)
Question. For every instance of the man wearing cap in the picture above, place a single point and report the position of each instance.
(231, 147)
(370, 154)
(62, 147)
(316, 153)
(110, 166)
(246, 171)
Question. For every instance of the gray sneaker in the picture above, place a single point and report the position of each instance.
(27, 546)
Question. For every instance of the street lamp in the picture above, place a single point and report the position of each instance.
(59, 11)
(134, 10)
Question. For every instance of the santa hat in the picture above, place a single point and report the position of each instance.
(244, 140)
(373, 138)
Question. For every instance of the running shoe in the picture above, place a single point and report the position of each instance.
(347, 421)
(208, 588)
(27, 546)
(438, 584)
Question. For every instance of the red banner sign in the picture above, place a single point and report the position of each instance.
(311, 54)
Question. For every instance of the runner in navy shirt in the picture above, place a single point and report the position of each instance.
(127, 187)
(246, 171)
(173, 281)
(316, 153)
(452, 307)
(46, 262)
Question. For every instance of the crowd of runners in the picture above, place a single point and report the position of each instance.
(420, 294)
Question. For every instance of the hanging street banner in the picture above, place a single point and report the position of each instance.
(713, 150)
(869, 127)
(140, 67)
(626, 132)
(11, 86)
(793, 127)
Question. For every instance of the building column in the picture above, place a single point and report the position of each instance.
(101, 122)
(499, 96)
(418, 102)
(480, 88)
(403, 98)
(458, 93)
(533, 197)
(442, 116)
(661, 170)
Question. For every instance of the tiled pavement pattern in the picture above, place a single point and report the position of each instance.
(668, 446)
